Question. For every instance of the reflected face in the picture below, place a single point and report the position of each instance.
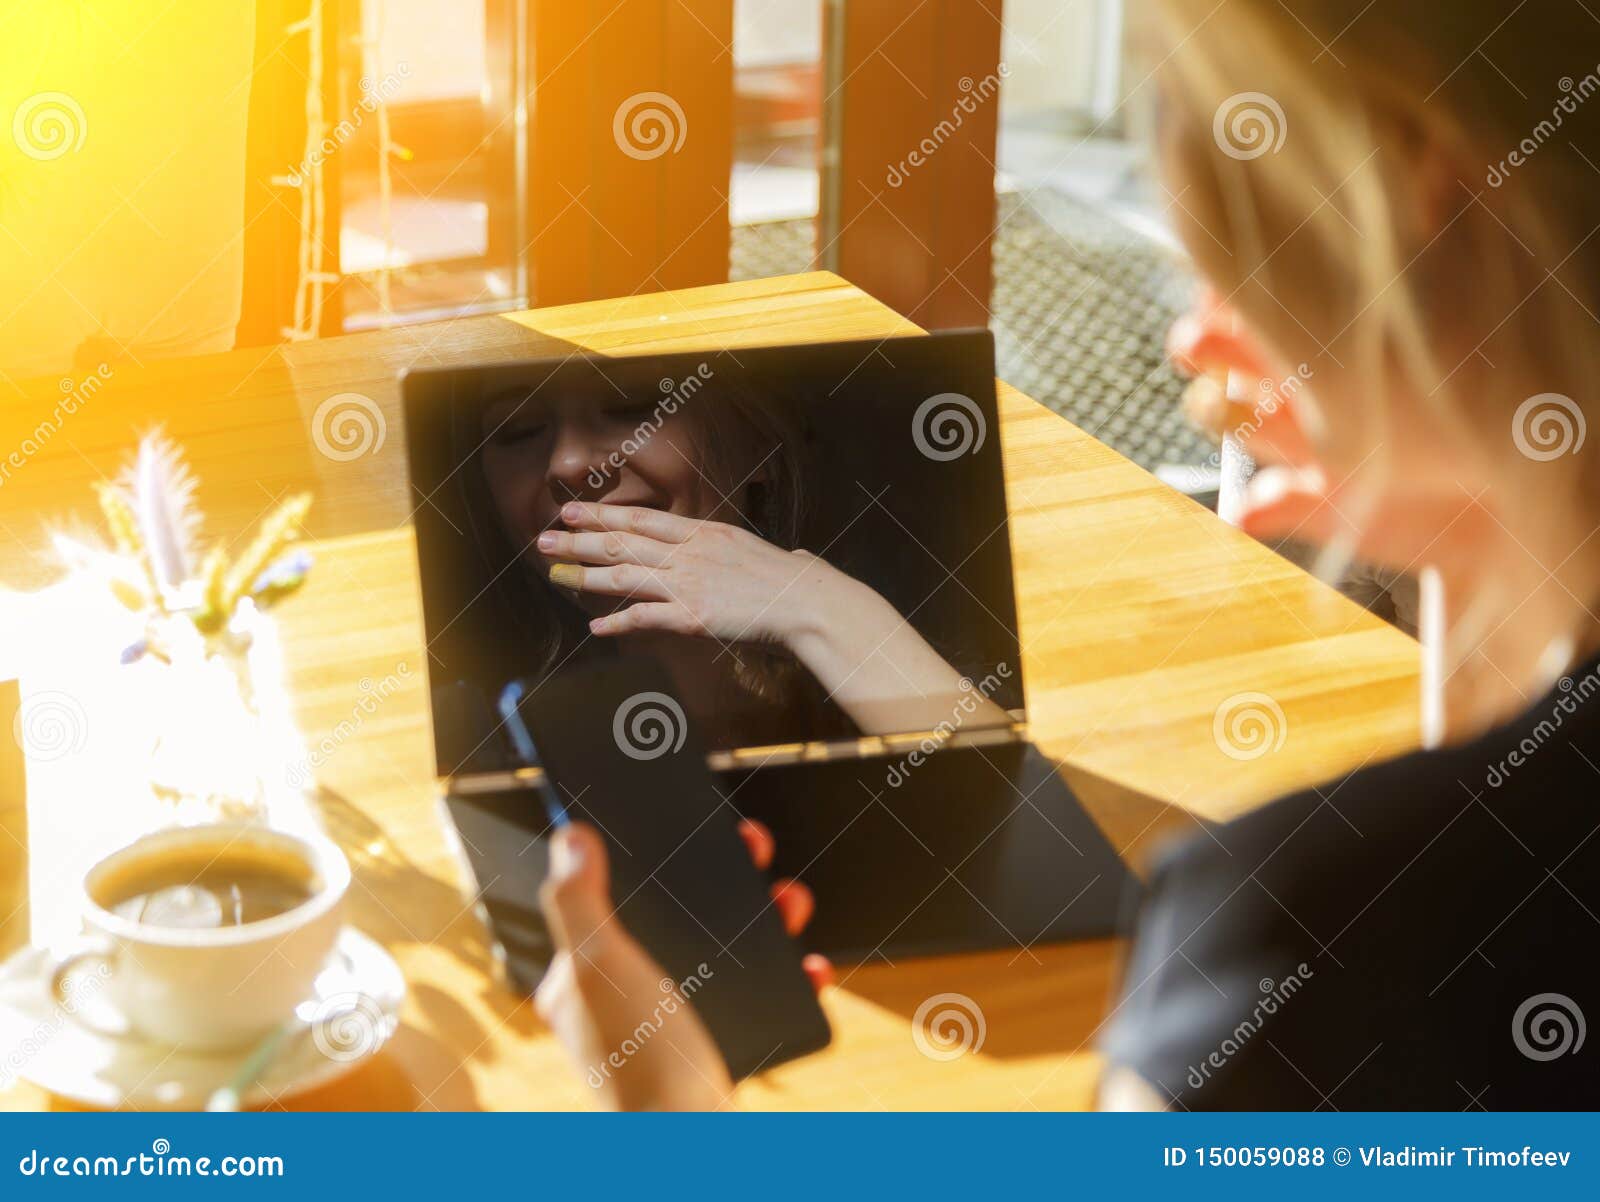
(538, 454)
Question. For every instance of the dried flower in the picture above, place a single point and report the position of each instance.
(278, 529)
(155, 525)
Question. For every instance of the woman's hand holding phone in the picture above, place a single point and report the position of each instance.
(602, 985)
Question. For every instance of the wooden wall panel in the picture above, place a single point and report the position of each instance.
(911, 225)
(631, 146)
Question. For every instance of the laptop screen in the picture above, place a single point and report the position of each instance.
(813, 540)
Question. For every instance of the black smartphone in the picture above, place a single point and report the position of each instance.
(617, 752)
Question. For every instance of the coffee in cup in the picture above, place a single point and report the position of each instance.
(211, 935)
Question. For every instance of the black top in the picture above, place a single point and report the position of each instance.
(1424, 934)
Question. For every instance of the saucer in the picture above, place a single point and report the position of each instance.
(358, 993)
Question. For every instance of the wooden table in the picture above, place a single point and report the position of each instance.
(1140, 614)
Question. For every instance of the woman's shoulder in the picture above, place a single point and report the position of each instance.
(1415, 905)
(1532, 778)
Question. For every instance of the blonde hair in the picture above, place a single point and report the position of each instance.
(1377, 198)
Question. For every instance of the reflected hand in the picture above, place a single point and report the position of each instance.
(692, 577)
(709, 579)
(602, 984)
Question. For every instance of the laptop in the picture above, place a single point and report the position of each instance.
(907, 796)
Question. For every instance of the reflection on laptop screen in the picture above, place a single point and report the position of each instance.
(718, 477)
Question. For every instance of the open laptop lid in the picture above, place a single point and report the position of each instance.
(883, 458)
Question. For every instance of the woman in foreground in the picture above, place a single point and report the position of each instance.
(1398, 195)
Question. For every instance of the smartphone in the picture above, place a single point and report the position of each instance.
(618, 753)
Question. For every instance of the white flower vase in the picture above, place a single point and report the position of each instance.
(115, 751)
(224, 746)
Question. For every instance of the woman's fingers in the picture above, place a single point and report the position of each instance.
(758, 841)
(1265, 423)
(576, 897)
(669, 616)
(1294, 503)
(628, 519)
(795, 904)
(793, 900)
(623, 580)
(1211, 345)
(1272, 433)
(605, 548)
(819, 969)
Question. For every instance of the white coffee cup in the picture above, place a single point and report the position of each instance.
(213, 988)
